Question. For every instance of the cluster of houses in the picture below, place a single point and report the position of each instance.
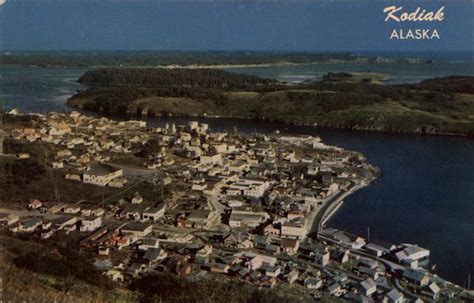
(245, 208)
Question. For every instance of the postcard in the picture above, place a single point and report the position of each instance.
(236, 151)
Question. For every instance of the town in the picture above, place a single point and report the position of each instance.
(250, 207)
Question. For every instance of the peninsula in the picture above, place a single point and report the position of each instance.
(339, 100)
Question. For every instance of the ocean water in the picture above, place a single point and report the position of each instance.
(37, 89)
(398, 73)
(425, 194)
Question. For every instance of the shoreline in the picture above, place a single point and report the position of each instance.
(287, 123)
(335, 205)
(228, 66)
(318, 219)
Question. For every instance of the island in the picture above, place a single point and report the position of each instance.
(106, 210)
(189, 59)
(338, 100)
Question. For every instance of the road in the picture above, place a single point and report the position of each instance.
(30, 213)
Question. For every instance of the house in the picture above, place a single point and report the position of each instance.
(416, 277)
(321, 255)
(203, 255)
(339, 237)
(249, 186)
(230, 240)
(155, 255)
(137, 198)
(335, 290)
(8, 219)
(393, 296)
(412, 255)
(64, 222)
(114, 274)
(98, 211)
(243, 272)
(434, 289)
(132, 212)
(378, 249)
(57, 164)
(261, 242)
(90, 223)
(219, 268)
(245, 244)
(147, 243)
(200, 218)
(211, 158)
(47, 233)
(29, 225)
(272, 271)
(137, 229)
(312, 283)
(71, 209)
(199, 184)
(254, 262)
(368, 287)
(269, 230)
(103, 250)
(294, 228)
(340, 255)
(86, 212)
(101, 174)
(154, 213)
(243, 218)
(35, 204)
(289, 245)
(136, 269)
(292, 276)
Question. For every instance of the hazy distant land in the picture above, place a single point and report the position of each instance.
(189, 59)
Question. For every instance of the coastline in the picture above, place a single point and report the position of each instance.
(288, 123)
(231, 66)
(318, 219)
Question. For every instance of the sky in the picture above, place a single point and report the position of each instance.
(291, 25)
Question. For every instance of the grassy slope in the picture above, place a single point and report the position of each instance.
(45, 284)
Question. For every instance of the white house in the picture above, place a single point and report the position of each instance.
(240, 218)
(393, 296)
(90, 223)
(154, 213)
(368, 287)
(294, 228)
(211, 158)
(101, 174)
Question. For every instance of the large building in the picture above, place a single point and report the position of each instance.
(101, 174)
(295, 228)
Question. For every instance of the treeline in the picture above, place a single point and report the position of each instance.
(153, 58)
(451, 84)
(160, 77)
(336, 77)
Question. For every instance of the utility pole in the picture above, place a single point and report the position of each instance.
(469, 281)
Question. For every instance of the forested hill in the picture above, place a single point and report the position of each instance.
(159, 77)
(432, 106)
